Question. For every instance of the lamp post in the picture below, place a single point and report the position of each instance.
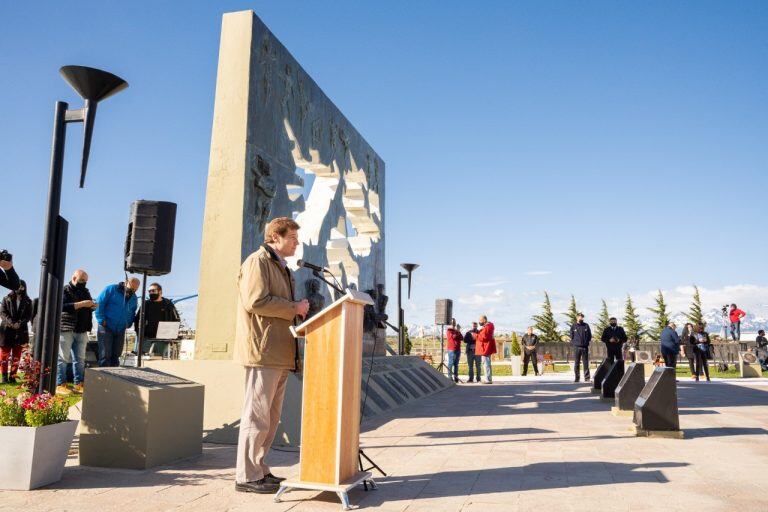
(409, 268)
(93, 85)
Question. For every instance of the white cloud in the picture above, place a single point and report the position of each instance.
(538, 272)
(477, 300)
(490, 284)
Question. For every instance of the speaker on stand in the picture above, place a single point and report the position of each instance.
(149, 248)
(443, 316)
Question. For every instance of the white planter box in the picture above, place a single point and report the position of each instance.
(517, 366)
(34, 456)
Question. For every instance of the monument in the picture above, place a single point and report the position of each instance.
(280, 147)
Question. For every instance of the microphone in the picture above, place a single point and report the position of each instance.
(311, 266)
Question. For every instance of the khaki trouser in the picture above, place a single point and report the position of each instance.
(264, 392)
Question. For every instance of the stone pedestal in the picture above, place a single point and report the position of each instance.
(611, 381)
(600, 373)
(749, 366)
(629, 389)
(656, 407)
(137, 418)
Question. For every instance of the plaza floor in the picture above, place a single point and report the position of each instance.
(535, 444)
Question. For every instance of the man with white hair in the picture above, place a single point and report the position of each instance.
(76, 323)
(116, 308)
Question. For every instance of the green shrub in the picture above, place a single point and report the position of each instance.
(516, 350)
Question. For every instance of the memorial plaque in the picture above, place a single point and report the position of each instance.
(602, 371)
(629, 389)
(137, 418)
(749, 366)
(656, 407)
(612, 379)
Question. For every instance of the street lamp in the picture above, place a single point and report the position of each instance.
(409, 268)
(93, 85)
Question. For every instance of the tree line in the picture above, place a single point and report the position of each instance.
(548, 328)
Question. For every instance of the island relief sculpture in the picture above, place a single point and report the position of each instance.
(280, 147)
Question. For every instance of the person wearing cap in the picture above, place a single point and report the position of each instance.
(581, 335)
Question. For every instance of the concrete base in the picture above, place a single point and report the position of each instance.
(396, 381)
(594, 391)
(665, 434)
(138, 418)
(619, 412)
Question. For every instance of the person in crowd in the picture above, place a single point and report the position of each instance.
(76, 323)
(581, 336)
(158, 309)
(473, 361)
(762, 349)
(264, 345)
(688, 342)
(453, 346)
(486, 347)
(701, 350)
(670, 345)
(735, 317)
(115, 311)
(15, 312)
(8, 276)
(530, 342)
(614, 338)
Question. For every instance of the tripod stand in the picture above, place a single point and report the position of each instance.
(442, 368)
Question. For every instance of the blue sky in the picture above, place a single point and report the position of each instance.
(593, 148)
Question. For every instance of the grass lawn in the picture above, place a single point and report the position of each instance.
(13, 390)
(504, 370)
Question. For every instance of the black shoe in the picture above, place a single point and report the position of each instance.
(575, 380)
(272, 479)
(11, 380)
(586, 379)
(262, 486)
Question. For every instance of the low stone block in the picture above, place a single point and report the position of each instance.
(629, 387)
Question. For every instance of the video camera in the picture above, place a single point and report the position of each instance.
(6, 256)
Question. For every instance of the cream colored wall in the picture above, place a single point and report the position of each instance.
(225, 193)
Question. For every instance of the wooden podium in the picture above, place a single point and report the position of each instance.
(330, 412)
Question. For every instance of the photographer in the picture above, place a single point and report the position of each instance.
(735, 317)
(15, 312)
(8, 276)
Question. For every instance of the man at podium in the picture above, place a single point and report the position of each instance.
(265, 346)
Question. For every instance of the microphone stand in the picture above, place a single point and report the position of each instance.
(326, 281)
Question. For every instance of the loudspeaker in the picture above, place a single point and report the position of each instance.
(656, 407)
(149, 244)
(443, 311)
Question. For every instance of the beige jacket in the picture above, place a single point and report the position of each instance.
(265, 311)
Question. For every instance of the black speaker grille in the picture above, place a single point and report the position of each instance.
(443, 311)
(149, 245)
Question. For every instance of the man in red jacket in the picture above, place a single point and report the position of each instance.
(453, 345)
(486, 347)
(735, 317)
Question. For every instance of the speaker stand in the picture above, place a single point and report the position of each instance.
(442, 368)
(140, 332)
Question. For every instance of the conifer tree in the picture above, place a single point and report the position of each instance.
(602, 321)
(632, 325)
(694, 315)
(571, 313)
(515, 348)
(661, 318)
(545, 323)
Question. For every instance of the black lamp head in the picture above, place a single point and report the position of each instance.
(93, 85)
(409, 267)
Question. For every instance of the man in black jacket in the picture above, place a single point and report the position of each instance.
(473, 361)
(581, 335)
(8, 276)
(159, 309)
(15, 312)
(530, 341)
(614, 338)
(76, 323)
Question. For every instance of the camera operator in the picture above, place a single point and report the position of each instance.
(735, 317)
(8, 276)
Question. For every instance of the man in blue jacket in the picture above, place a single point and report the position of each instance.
(115, 312)
(581, 335)
(670, 345)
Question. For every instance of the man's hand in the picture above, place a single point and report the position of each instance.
(6, 265)
(302, 307)
(84, 304)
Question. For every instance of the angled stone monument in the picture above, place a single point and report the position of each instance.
(656, 413)
(749, 366)
(629, 389)
(611, 381)
(600, 373)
